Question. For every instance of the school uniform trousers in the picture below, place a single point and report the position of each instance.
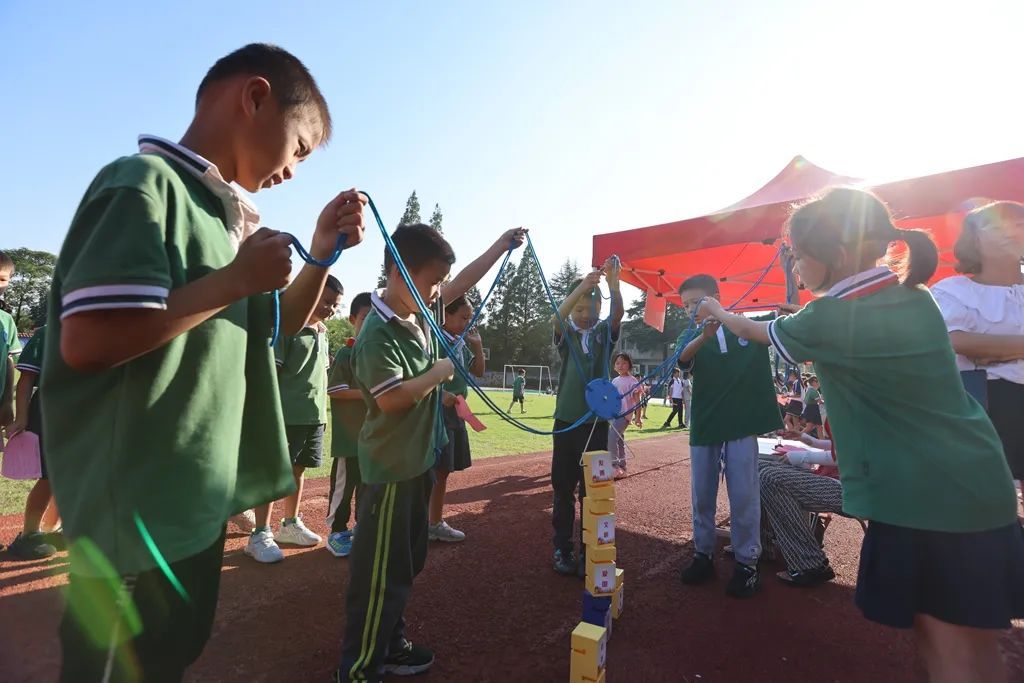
(387, 554)
(788, 494)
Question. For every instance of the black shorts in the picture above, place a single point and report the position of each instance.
(1006, 410)
(455, 456)
(518, 399)
(35, 425)
(795, 407)
(812, 414)
(305, 444)
(967, 579)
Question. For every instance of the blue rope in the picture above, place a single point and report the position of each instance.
(442, 340)
(339, 247)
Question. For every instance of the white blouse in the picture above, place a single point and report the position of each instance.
(968, 306)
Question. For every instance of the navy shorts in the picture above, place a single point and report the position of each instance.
(305, 444)
(967, 579)
(455, 456)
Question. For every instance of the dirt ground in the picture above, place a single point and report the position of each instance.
(493, 609)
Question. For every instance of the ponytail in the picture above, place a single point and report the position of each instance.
(922, 256)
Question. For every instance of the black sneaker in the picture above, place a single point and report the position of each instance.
(745, 581)
(409, 661)
(565, 563)
(806, 578)
(56, 539)
(699, 571)
(32, 546)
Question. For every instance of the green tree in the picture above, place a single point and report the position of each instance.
(564, 279)
(531, 311)
(338, 331)
(30, 286)
(436, 219)
(498, 334)
(411, 215)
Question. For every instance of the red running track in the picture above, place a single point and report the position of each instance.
(493, 609)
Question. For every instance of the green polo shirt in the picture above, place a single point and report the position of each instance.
(921, 454)
(458, 385)
(31, 358)
(398, 446)
(9, 344)
(571, 402)
(518, 386)
(811, 397)
(733, 390)
(347, 416)
(302, 363)
(182, 436)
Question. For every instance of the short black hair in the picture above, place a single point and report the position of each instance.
(361, 301)
(623, 354)
(6, 263)
(334, 283)
(456, 304)
(290, 81)
(705, 283)
(418, 244)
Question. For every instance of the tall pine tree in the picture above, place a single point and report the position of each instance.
(436, 218)
(499, 334)
(411, 215)
(563, 281)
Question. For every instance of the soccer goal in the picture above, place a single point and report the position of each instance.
(538, 377)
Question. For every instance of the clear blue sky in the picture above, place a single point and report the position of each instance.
(570, 118)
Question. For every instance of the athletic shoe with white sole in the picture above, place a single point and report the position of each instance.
(294, 532)
(442, 532)
(409, 661)
(339, 543)
(262, 548)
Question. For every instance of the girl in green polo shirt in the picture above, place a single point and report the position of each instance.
(944, 552)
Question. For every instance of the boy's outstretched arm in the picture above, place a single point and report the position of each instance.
(611, 269)
(343, 215)
(479, 365)
(741, 326)
(410, 392)
(471, 274)
(96, 340)
(691, 349)
(590, 280)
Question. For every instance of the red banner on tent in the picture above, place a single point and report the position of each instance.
(654, 311)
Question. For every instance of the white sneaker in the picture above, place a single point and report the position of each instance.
(246, 521)
(262, 548)
(442, 532)
(296, 533)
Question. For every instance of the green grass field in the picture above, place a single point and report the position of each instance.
(500, 438)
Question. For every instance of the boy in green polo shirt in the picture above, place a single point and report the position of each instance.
(40, 511)
(733, 401)
(585, 341)
(348, 412)
(302, 363)
(399, 370)
(456, 455)
(160, 400)
(519, 391)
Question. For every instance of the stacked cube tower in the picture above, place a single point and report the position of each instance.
(604, 592)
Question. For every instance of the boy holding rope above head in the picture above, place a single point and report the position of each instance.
(585, 347)
(733, 402)
(398, 368)
(160, 401)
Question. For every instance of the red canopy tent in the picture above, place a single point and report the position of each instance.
(737, 244)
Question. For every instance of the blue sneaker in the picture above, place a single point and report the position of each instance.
(339, 543)
(565, 563)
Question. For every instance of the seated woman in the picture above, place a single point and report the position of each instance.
(984, 312)
(789, 492)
